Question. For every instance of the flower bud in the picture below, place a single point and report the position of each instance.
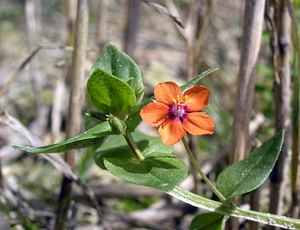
(118, 126)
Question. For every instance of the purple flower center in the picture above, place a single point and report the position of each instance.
(177, 112)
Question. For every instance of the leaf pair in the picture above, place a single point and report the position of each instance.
(114, 155)
(160, 168)
(115, 84)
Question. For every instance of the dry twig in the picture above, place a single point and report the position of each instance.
(75, 103)
(54, 159)
(282, 85)
(163, 10)
(102, 23)
(251, 40)
(16, 72)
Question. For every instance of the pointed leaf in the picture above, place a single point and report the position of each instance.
(160, 169)
(250, 173)
(209, 220)
(109, 94)
(88, 138)
(198, 78)
(121, 66)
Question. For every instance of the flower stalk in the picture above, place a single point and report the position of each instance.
(201, 173)
(133, 147)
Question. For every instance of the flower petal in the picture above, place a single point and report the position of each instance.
(196, 98)
(154, 113)
(198, 124)
(166, 92)
(171, 131)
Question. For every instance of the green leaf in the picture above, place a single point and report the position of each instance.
(160, 169)
(198, 78)
(250, 173)
(134, 118)
(109, 94)
(209, 220)
(89, 138)
(121, 66)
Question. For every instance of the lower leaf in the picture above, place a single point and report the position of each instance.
(248, 174)
(89, 138)
(209, 220)
(160, 169)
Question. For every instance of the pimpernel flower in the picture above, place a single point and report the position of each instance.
(175, 113)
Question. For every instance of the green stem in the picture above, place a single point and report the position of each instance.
(202, 174)
(214, 206)
(134, 149)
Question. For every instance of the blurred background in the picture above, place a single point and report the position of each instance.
(254, 93)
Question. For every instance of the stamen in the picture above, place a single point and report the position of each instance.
(178, 111)
(176, 99)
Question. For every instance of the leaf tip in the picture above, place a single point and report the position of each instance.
(111, 45)
(18, 147)
(281, 135)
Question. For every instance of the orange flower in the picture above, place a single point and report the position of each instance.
(175, 113)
